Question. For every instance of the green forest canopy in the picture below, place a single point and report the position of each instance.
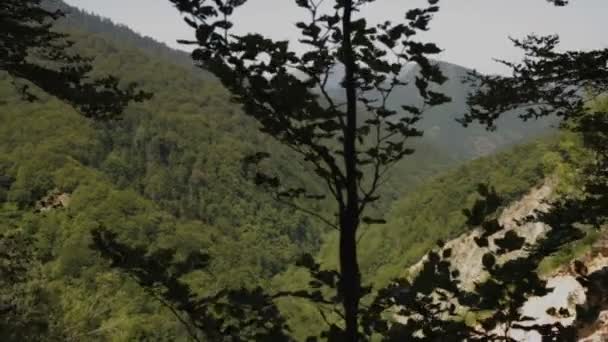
(169, 175)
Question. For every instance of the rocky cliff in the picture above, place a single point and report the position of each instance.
(579, 285)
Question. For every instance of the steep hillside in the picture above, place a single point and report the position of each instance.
(474, 141)
(182, 150)
(169, 174)
(46, 146)
(94, 24)
(434, 211)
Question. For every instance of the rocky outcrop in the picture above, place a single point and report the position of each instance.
(465, 250)
(54, 200)
(568, 293)
(580, 286)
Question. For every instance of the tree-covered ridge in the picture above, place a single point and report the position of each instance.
(162, 146)
(176, 151)
(168, 174)
(35, 54)
(168, 180)
(94, 24)
(440, 124)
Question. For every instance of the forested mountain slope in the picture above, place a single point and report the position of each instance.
(434, 211)
(442, 128)
(92, 23)
(169, 174)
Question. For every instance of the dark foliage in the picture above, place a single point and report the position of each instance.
(287, 94)
(587, 314)
(545, 83)
(229, 315)
(429, 306)
(30, 50)
(565, 84)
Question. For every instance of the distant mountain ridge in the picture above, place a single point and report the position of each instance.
(96, 24)
(440, 124)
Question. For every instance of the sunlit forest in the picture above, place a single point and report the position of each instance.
(361, 190)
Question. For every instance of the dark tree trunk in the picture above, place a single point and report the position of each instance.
(350, 283)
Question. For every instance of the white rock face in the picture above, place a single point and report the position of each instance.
(567, 291)
(466, 252)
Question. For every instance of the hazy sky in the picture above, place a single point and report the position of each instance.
(471, 32)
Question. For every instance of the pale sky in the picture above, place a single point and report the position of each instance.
(471, 32)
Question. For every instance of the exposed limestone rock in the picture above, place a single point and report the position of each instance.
(466, 252)
(566, 295)
(557, 306)
(595, 265)
(54, 200)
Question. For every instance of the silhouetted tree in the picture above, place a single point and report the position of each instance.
(431, 305)
(351, 150)
(349, 142)
(31, 51)
(548, 82)
(564, 84)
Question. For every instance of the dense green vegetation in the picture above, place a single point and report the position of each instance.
(434, 211)
(169, 175)
(166, 175)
